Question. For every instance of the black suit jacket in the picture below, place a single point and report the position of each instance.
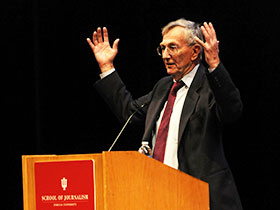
(212, 101)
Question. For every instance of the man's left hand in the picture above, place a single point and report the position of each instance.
(211, 45)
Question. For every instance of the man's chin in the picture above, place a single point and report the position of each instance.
(170, 70)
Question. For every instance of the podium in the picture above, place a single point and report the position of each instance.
(127, 180)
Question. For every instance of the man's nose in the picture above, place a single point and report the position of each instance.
(165, 54)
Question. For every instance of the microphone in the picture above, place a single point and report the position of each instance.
(127, 121)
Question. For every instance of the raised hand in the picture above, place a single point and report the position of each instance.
(211, 46)
(102, 50)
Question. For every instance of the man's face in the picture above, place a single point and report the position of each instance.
(177, 55)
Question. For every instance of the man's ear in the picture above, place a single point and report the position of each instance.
(196, 50)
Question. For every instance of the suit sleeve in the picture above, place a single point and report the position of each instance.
(229, 104)
(114, 92)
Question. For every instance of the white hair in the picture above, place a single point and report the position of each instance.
(192, 30)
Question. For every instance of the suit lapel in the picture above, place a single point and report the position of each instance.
(156, 105)
(191, 100)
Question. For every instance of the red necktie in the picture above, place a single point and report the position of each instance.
(160, 145)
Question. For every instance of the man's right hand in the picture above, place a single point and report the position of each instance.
(102, 50)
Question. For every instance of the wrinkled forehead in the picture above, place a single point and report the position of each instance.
(176, 35)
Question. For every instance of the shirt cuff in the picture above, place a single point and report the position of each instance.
(107, 73)
(211, 70)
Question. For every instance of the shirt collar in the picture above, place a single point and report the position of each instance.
(188, 78)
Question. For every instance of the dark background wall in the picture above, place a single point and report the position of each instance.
(48, 71)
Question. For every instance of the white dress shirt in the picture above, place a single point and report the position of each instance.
(171, 157)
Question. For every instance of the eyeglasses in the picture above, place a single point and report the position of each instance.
(171, 49)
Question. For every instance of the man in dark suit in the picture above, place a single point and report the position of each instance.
(191, 131)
